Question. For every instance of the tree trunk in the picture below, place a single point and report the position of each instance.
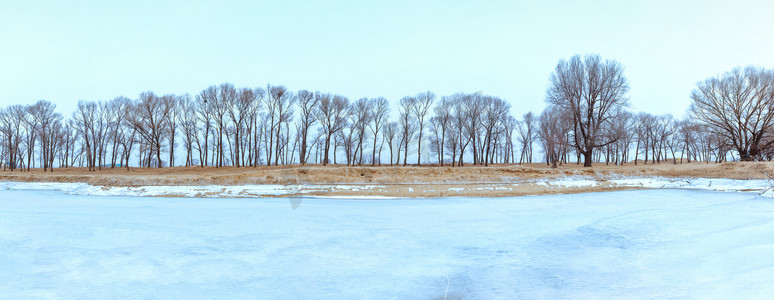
(587, 158)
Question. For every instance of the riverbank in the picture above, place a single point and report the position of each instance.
(384, 181)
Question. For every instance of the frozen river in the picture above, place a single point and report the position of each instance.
(631, 244)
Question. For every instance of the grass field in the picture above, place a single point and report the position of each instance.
(413, 181)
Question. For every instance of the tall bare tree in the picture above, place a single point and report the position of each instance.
(408, 123)
(84, 117)
(444, 117)
(422, 105)
(48, 124)
(226, 94)
(150, 120)
(307, 107)
(283, 106)
(553, 125)
(188, 126)
(332, 118)
(526, 130)
(10, 127)
(380, 113)
(590, 90)
(172, 122)
(390, 132)
(740, 106)
(239, 110)
(117, 109)
(494, 116)
(360, 114)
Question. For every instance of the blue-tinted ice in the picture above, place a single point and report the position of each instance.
(640, 244)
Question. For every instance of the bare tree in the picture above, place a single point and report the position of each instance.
(390, 132)
(204, 103)
(348, 139)
(380, 113)
(188, 125)
(10, 129)
(740, 106)
(407, 123)
(207, 101)
(463, 111)
(495, 114)
(117, 109)
(254, 129)
(444, 117)
(622, 129)
(226, 94)
(84, 117)
(332, 118)
(150, 120)
(360, 114)
(452, 142)
(509, 125)
(307, 106)
(590, 89)
(283, 104)
(240, 108)
(526, 137)
(552, 129)
(31, 126)
(67, 141)
(48, 125)
(472, 107)
(421, 106)
(172, 122)
(278, 103)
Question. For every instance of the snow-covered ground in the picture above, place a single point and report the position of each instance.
(763, 187)
(628, 244)
(209, 191)
(711, 184)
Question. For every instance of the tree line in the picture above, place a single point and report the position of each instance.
(587, 117)
(228, 126)
(586, 120)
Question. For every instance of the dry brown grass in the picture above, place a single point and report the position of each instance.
(384, 175)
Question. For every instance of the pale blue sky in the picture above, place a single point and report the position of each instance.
(64, 51)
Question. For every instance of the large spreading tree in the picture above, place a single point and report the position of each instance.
(738, 105)
(591, 91)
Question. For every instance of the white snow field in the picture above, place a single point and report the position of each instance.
(628, 244)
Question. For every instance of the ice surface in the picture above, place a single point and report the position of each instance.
(629, 244)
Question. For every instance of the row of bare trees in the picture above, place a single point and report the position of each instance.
(228, 126)
(586, 120)
(633, 138)
(34, 129)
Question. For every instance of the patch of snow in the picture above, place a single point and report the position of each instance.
(573, 182)
(711, 184)
(357, 197)
(181, 191)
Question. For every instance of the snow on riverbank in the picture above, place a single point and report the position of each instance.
(712, 184)
(212, 191)
(763, 187)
